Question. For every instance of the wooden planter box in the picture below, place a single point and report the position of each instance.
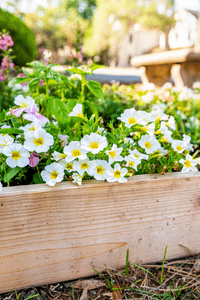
(52, 234)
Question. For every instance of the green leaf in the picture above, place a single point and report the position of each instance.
(11, 173)
(11, 131)
(92, 107)
(36, 64)
(37, 178)
(53, 75)
(60, 111)
(27, 71)
(95, 88)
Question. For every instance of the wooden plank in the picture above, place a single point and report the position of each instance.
(51, 234)
(166, 57)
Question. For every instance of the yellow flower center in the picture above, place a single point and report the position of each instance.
(69, 166)
(144, 128)
(100, 170)
(84, 166)
(80, 115)
(117, 174)
(148, 145)
(38, 142)
(112, 154)
(131, 163)
(187, 163)
(94, 145)
(32, 128)
(23, 105)
(167, 124)
(179, 148)
(62, 155)
(132, 121)
(54, 174)
(15, 155)
(76, 153)
(136, 155)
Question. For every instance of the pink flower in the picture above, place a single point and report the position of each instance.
(41, 82)
(21, 75)
(64, 139)
(9, 40)
(36, 116)
(44, 61)
(11, 65)
(33, 160)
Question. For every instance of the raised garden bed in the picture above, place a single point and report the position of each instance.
(51, 234)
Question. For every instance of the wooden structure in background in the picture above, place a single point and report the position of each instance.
(182, 65)
(52, 234)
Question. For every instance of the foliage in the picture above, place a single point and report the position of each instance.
(85, 8)
(24, 48)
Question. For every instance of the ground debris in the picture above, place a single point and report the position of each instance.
(178, 279)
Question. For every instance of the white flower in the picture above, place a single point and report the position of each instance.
(36, 117)
(130, 117)
(77, 111)
(94, 142)
(53, 173)
(18, 156)
(196, 85)
(24, 102)
(132, 161)
(5, 140)
(5, 126)
(148, 97)
(99, 168)
(186, 140)
(38, 140)
(77, 178)
(185, 94)
(145, 117)
(116, 174)
(129, 140)
(178, 146)
(170, 123)
(114, 154)
(163, 151)
(179, 112)
(167, 86)
(1, 186)
(159, 115)
(73, 151)
(35, 125)
(138, 155)
(82, 166)
(160, 106)
(75, 76)
(149, 143)
(189, 164)
(167, 137)
(150, 129)
(68, 166)
(58, 156)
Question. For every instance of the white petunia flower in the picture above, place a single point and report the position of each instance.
(68, 166)
(94, 142)
(114, 154)
(130, 117)
(53, 173)
(99, 168)
(5, 140)
(186, 140)
(138, 155)
(129, 140)
(82, 166)
(196, 85)
(58, 156)
(145, 117)
(77, 111)
(77, 178)
(35, 125)
(148, 97)
(73, 151)
(150, 129)
(160, 106)
(18, 156)
(167, 86)
(189, 164)
(170, 123)
(163, 151)
(132, 162)
(159, 115)
(178, 146)
(38, 140)
(167, 137)
(149, 143)
(116, 174)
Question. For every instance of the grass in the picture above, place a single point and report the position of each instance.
(174, 280)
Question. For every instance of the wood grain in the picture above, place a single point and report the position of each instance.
(52, 234)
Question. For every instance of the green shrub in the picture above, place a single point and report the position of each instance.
(24, 48)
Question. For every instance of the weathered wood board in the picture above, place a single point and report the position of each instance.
(52, 234)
